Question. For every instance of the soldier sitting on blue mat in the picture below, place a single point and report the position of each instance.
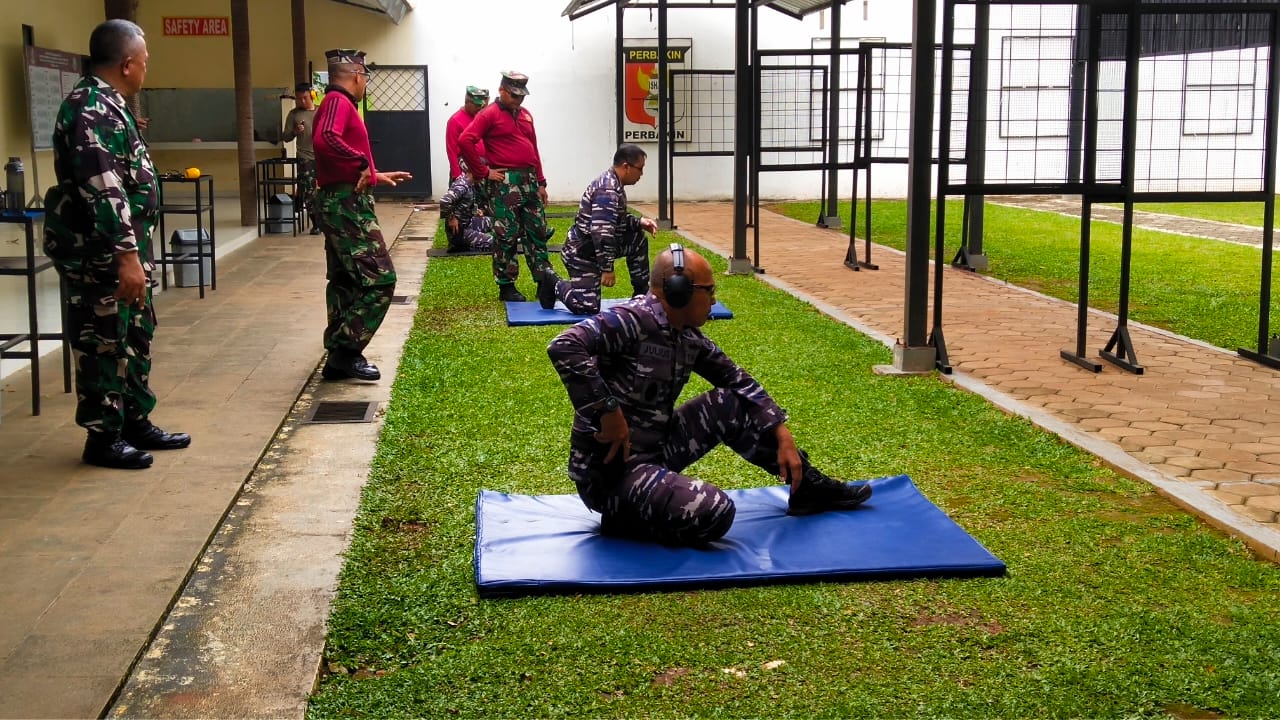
(602, 232)
(465, 223)
(624, 369)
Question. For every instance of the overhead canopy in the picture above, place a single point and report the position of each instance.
(394, 9)
(795, 8)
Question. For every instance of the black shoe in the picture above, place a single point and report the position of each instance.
(111, 451)
(458, 248)
(509, 293)
(341, 366)
(145, 436)
(315, 230)
(547, 281)
(819, 493)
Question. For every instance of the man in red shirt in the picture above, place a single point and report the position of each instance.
(514, 183)
(361, 276)
(474, 101)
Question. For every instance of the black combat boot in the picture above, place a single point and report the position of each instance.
(547, 282)
(109, 450)
(343, 364)
(819, 493)
(145, 436)
(509, 293)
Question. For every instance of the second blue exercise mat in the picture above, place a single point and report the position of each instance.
(533, 544)
(531, 313)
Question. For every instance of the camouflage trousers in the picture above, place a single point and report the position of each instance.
(646, 497)
(581, 292)
(519, 221)
(306, 196)
(359, 269)
(111, 349)
(475, 235)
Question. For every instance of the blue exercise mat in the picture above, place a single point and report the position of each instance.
(531, 313)
(538, 544)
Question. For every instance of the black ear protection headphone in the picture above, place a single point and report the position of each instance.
(677, 287)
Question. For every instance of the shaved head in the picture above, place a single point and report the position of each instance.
(695, 266)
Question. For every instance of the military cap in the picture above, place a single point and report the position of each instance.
(344, 57)
(515, 82)
(479, 96)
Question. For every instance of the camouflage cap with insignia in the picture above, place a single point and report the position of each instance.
(515, 82)
(479, 96)
(344, 57)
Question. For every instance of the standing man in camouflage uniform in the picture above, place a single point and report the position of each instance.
(624, 370)
(298, 125)
(361, 276)
(515, 187)
(602, 231)
(98, 233)
(475, 100)
(466, 225)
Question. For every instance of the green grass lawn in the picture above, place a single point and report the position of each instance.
(1240, 213)
(1117, 604)
(1203, 289)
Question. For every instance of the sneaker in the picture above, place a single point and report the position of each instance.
(819, 493)
(509, 293)
(547, 282)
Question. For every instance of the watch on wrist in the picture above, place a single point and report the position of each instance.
(609, 404)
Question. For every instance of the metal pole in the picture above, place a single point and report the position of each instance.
(739, 264)
(619, 72)
(831, 218)
(664, 147)
(976, 136)
(913, 353)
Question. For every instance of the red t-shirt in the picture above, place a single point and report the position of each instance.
(341, 140)
(509, 141)
(452, 131)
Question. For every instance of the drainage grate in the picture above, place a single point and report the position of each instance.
(344, 411)
(418, 238)
(399, 299)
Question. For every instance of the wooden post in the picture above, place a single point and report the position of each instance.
(244, 109)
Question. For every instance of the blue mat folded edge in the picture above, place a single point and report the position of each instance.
(560, 316)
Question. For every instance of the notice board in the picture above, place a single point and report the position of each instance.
(51, 75)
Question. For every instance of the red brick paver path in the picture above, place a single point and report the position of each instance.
(1202, 425)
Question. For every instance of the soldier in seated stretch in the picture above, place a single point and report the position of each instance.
(624, 369)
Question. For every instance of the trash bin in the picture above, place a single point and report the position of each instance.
(279, 213)
(185, 271)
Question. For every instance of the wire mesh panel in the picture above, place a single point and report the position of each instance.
(703, 121)
(1202, 103)
(392, 89)
(792, 108)
(886, 121)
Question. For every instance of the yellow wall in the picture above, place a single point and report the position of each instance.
(61, 25)
(186, 62)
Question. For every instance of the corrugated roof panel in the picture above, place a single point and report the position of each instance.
(394, 9)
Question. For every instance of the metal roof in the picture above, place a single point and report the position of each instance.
(795, 8)
(394, 9)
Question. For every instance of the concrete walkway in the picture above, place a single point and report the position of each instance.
(94, 559)
(1202, 425)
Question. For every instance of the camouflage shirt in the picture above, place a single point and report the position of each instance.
(602, 216)
(631, 352)
(459, 200)
(106, 200)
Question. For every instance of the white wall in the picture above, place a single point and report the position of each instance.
(572, 70)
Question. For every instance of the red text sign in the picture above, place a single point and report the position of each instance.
(197, 26)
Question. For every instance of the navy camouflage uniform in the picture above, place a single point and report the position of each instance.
(475, 229)
(632, 353)
(602, 231)
(105, 203)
